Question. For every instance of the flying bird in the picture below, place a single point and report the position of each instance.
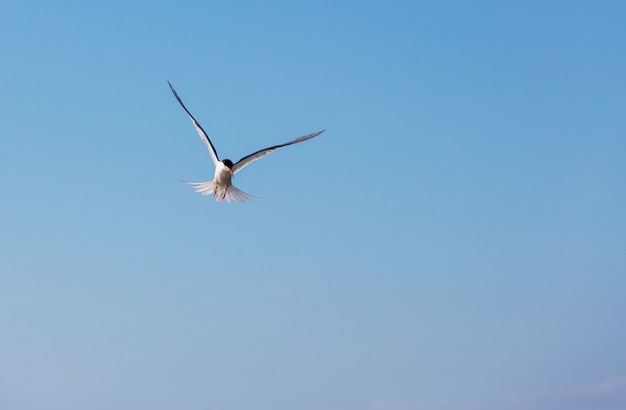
(221, 186)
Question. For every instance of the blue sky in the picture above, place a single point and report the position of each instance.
(454, 240)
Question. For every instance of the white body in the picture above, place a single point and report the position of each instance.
(221, 186)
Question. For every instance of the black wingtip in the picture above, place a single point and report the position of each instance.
(171, 87)
(178, 98)
(315, 134)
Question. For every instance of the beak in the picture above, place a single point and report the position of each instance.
(231, 172)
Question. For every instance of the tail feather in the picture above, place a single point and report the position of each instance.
(233, 194)
(205, 188)
(236, 195)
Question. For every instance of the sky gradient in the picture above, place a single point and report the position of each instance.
(454, 240)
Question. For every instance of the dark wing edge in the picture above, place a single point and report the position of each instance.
(203, 134)
(248, 159)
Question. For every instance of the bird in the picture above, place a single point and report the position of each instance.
(221, 185)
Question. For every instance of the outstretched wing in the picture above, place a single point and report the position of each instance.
(239, 165)
(203, 135)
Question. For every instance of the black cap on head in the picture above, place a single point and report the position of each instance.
(228, 163)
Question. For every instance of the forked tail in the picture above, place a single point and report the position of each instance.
(233, 194)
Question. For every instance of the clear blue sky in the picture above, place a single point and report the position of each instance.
(456, 239)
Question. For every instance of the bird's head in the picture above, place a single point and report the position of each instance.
(229, 165)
